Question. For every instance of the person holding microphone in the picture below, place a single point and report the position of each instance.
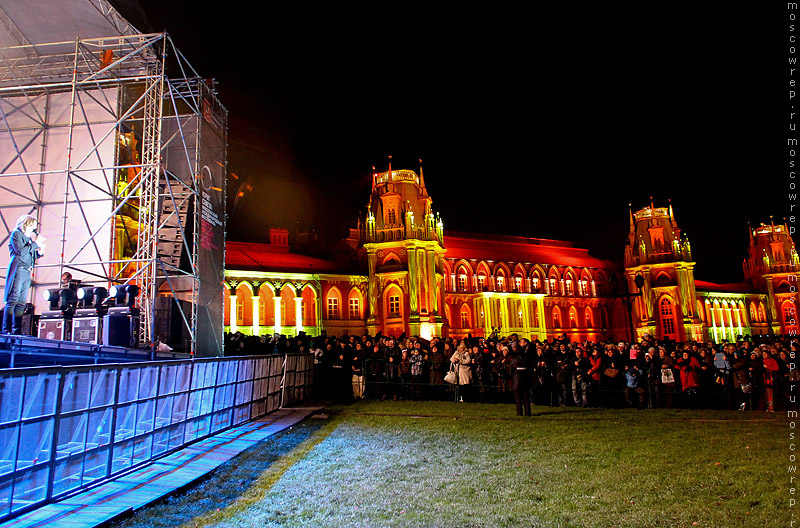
(25, 246)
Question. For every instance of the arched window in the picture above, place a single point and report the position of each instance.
(589, 318)
(668, 326)
(517, 283)
(333, 306)
(570, 290)
(465, 318)
(573, 318)
(552, 283)
(556, 317)
(481, 282)
(500, 282)
(239, 310)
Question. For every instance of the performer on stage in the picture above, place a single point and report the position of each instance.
(25, 245)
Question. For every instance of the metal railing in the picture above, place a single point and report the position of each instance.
(63, 429)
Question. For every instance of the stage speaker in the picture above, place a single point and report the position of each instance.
(30, 324)
(169, 327)
(121, 327)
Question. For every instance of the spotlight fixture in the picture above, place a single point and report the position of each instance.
(53, 297)
(60, 298)
(124, 294)
(92, 296)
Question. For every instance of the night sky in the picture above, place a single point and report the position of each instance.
(534, 123)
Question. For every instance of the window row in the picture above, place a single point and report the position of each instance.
(552, 286)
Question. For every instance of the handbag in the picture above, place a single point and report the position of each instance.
(667, 376)
(451, 376)
(611, 372)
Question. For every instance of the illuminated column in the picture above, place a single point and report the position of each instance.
(739, 320)
(278, 322)
(541, 328)
(487, 316)
(713, 322)
(594, 289)
(234, 326)
(298, 314)
(256, 315)
(525, 309)
(318, 310)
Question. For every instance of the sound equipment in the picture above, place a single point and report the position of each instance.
(169, 326)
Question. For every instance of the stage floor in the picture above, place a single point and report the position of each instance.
(27, 351)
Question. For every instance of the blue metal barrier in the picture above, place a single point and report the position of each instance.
(63, 429)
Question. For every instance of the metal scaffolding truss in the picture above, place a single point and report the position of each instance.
(110, 153)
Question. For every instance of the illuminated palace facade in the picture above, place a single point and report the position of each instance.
(403, 274)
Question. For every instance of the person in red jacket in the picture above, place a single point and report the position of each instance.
(596, 360)
(689, 369)
(771, 368)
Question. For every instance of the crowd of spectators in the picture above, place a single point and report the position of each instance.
(752, 374)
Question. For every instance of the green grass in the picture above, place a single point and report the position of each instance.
(403, 464)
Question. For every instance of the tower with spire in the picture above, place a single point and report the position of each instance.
(657, 250)
(403, 242)
(771, 267)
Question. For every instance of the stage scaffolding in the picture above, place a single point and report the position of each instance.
(118, 147)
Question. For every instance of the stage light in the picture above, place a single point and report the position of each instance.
(92, 296)
(124, 294)
(66, 297)
(60, 298)
(53, 297)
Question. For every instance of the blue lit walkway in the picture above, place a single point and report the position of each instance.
(154, 481)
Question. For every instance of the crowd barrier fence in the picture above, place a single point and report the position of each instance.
(63, 429)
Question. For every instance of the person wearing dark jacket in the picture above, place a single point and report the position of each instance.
(741, 379)
(611, 377)
(25, 246)
(520, 383)
(580, 379)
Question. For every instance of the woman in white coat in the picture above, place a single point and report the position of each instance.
(463, 361)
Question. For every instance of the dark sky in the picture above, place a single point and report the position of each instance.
(534, 123)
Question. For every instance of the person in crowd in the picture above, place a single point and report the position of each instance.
(404, 373)
(520, 382)
(563, 375)
(689, 369)
(612, 375)
(667, 385)
(755, 370)
(771, 372)
(463, 361)
(357, 366)
(634, 392)
(417, 362)
(741, 380)
(580, 378)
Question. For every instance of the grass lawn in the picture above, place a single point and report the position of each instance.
(404, 464)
